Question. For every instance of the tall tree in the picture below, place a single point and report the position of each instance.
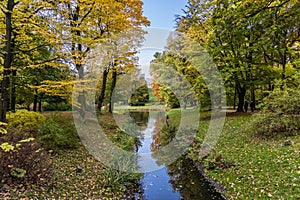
(120, 51)
(242, 36)
(86, 24)
(20, 23)
(8, 57)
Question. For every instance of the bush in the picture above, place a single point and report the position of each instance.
(140, 96)
(60, 106)
(270, 124)
(58, 132)
(23, 119)
(281, 114)
(287, 102)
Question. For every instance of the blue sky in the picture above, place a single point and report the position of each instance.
(162, 13)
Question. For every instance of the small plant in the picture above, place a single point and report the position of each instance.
(23, 119)
(117, 180)
(7, 147)
(17, 172)
(58, 132)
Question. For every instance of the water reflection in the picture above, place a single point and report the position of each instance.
(180, 180)
(155, 184)
(140, 118)
(186, 178)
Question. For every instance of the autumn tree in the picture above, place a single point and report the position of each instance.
(85, 25)
(244, 37)
(24, 33)
(120, 55)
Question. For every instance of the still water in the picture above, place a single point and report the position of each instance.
(180, 180)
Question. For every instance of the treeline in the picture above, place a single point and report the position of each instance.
(45, 45)
(254, 44)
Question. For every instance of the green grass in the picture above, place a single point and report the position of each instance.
(263, 168)
(147, 106)
(258, 168)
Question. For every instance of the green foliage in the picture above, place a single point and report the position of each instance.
(166, 135)
(281, 114)
(17, 172)
(123, 140)
(57, 106)
(140, 96)
(283, 102)
(58, 132)
(23, 119)
(117, 180)
(270, 124)
(169, 97)
(116, 135)
(152, 97)
(178, 81)
(3, 128)
(27, 140)
(253, 43)
(7, 147)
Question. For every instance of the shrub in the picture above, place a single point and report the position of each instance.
(58, 132)
(23, 119)
(57, 106)
(287, 102)
(281, 114)
(271, 124)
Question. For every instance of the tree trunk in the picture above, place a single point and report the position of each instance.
(40, 106)
(253, 97)
(8, 59)
(234, 100)
(35, 101)
(81, 97)
(241, 92)
(13, 91)
(102, 92)
(283, 76)
(113, 85)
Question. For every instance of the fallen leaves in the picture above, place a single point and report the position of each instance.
(265, 168)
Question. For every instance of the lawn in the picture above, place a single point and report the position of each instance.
(247, 166)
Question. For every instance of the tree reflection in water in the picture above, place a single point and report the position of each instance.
(182, 175)
(186, 178)
(140, 118)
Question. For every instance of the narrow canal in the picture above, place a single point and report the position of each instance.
(180, 180)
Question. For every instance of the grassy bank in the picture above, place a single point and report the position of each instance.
(247, 166)
(146, 107)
